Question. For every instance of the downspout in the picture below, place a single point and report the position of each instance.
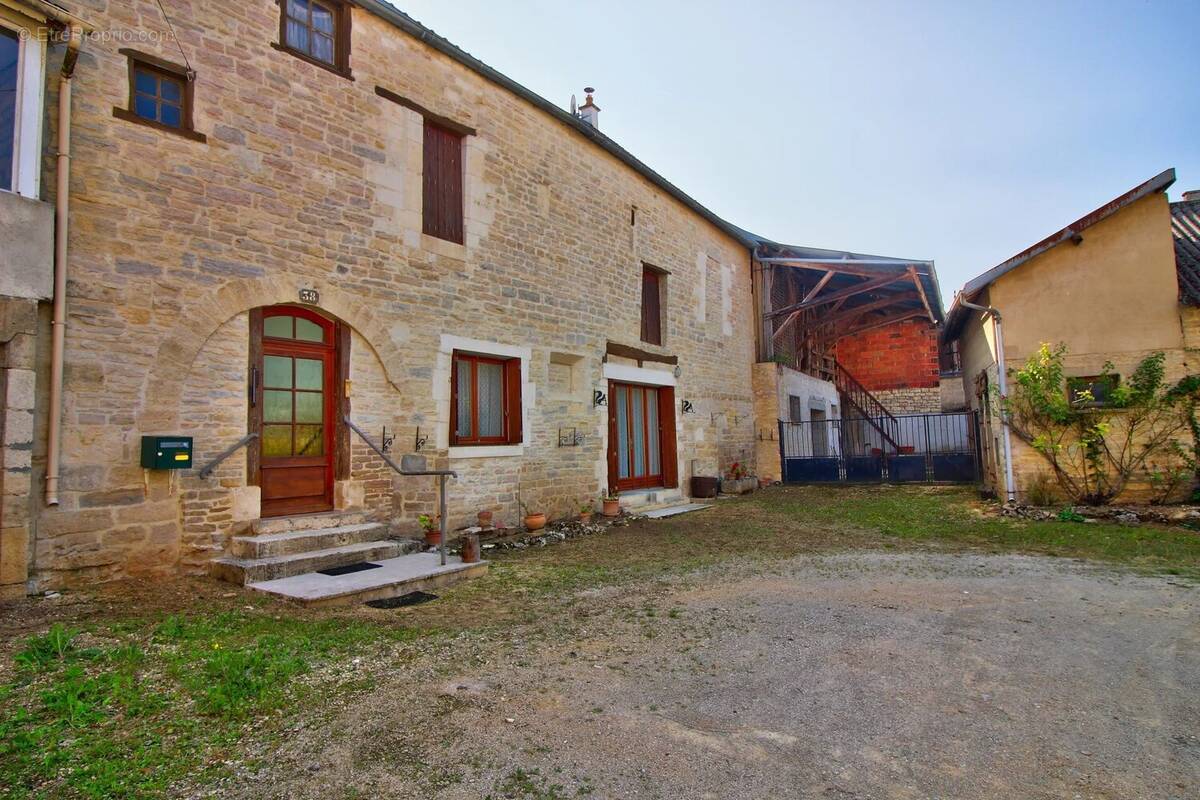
(1002, 381)
(58, 325)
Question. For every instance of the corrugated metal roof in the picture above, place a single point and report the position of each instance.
(1185, 225)
(958, 314)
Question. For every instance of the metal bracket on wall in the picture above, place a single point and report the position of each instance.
(572, 439)
(419, 440)
(385, 441)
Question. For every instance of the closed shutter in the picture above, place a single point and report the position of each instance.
(651, 311)
(666, 421)
(512, 379)
(443, 184)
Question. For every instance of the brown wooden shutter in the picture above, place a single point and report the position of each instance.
(651, 313)
(443, 184)
(666, 419)
(453, 399)
(512, 400)
(612, 438)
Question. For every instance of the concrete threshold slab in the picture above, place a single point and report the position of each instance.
(659, 513)
(395, 576)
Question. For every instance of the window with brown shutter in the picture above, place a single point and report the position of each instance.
(651, 306)
(443, 183)
(485, 400)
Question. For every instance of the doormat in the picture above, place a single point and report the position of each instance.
(411, 599)
(346, 570)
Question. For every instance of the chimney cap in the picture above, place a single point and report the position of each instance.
(1191, 195)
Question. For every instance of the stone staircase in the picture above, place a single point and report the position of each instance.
(285, 546)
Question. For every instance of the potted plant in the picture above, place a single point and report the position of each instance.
(485, 518)
(585, 513)
(612, 504)
(736, 481)
(432, 528)
(533, 521)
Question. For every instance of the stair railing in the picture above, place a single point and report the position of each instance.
(866, 404)
(441, 474)
(211, 466)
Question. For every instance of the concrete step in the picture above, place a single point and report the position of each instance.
(639, 502)
(248, 570)
(303, 541)
(395, 577)
(308, 522)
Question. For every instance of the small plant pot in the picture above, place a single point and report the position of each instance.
(764, 482)
(535, 522)
(470, 548)
(585, 518)
(485, 519)
(433, 537)
(612, 508)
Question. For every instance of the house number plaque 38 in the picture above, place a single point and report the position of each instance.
(310, 296)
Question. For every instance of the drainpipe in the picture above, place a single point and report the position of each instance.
(58, 327)
(1002, 380)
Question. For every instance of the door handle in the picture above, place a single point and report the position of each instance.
(253, 387)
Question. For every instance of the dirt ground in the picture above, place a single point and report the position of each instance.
(858, 675)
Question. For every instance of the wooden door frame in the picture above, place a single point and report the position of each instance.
(337, 393)
(668, 457)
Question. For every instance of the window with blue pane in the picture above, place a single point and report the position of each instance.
(158, 97)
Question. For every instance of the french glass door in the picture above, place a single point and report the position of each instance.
(636, 429)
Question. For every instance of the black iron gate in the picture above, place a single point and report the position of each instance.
(923, 448)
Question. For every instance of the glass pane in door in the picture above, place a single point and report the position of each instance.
(652, 443)
(639, 434)
(622, 433)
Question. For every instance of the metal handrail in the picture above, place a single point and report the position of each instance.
(441, 475)
(216, 462)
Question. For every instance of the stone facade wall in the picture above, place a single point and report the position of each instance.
(311, 181)
(924, 400)
(18, 337)
(903, 355)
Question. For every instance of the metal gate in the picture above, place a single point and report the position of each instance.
(917, 448)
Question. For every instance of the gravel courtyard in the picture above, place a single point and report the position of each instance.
(858, 675)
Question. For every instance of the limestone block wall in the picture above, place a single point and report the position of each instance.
(18, 336)
(915, 400)
(310, 181)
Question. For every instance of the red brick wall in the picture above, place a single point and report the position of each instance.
(899, 356)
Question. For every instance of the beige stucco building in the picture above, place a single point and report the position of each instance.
(1107, 286)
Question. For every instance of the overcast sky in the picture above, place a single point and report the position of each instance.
(961, 131)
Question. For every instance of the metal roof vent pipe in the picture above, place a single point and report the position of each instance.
(589, 112)
(1192, 195)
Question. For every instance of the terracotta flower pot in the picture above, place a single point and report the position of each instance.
(612, 508)
(470, 548)
(764, 482)
(433, 537)
(485, 519)
(535, 522)
(585, 518)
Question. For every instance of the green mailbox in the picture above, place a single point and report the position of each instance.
(167, 452)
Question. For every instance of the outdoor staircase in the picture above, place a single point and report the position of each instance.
(283, 556)
(285, 546)
(861, 404)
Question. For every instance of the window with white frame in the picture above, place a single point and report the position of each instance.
(22, 63)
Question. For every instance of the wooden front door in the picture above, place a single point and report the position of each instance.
(294, 407)
(641, 436)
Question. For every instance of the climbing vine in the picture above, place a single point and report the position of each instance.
(1095, 448)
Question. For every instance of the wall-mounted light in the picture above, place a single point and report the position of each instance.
(687, 407)
(599, 398)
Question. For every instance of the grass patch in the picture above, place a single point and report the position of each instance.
(127, 709)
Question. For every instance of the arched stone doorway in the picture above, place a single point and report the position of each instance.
(297, 401)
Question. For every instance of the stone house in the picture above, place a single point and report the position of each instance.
(1114, 286)
(250, 222)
